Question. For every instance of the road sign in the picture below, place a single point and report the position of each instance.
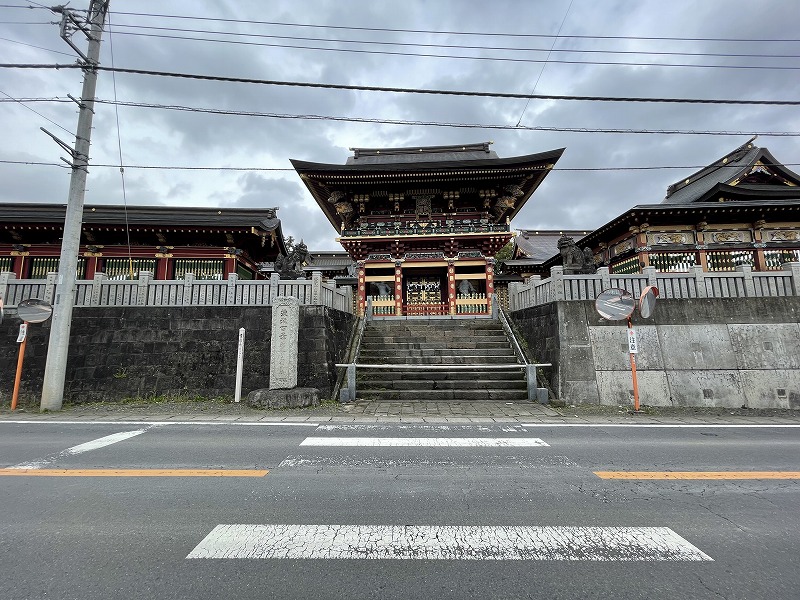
(632, 345)
(23, 332)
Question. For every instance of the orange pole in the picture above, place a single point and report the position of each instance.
(633, 375)
(18, 377)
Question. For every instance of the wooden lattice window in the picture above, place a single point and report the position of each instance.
(628, 266)
(774, 259)
(202, 268)
(728, 260)
(673, 262)
(120, 268)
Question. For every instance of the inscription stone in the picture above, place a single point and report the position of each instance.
(283, 350)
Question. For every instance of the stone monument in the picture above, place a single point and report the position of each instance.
(283, 391)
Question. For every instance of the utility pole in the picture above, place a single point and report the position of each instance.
(56, 365)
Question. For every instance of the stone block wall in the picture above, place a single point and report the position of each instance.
(127, 352)
(727, 352)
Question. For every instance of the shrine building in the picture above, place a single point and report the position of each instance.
(424, 224)
(120, 242)
(741, 210)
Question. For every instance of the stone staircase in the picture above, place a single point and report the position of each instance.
(438, 343)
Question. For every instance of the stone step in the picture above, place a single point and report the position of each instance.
(445, 395)
(365, 375)
(444, 359)
(441, 384)
(427, 331)
(377, 353)
(434, 342)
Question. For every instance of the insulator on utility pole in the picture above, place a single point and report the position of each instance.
(56, 365)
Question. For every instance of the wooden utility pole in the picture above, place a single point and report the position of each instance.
(56, 365)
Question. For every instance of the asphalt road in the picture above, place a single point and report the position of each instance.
(449, 511)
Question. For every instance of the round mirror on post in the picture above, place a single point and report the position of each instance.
(615, 304)
(34, 310)
(647, 301)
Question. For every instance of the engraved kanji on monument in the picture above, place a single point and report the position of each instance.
(283, 354)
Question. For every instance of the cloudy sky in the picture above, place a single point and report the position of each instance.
(501, 46)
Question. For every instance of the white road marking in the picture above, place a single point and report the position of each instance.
(669, 425)
(423, 442)
(505, 428)
(374, 462)
(81, 448)
(160, 423)
(431, 542)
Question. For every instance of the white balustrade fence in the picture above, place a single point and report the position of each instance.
(189, 291)
(742, 283)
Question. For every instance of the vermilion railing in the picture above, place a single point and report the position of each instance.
(435, 309)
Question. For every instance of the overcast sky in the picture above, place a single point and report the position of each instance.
(568, 199)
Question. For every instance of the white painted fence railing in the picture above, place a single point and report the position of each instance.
(145, 291)
(742, 283)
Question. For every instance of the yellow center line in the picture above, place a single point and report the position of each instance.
(698, 474)
(134, 472)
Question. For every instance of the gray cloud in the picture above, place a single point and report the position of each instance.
(567, 199)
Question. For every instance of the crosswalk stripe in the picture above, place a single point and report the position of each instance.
(433, 542)
(423, 442)
(698, 474)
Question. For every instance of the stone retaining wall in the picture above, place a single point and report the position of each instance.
(126, 352)
(727, 352)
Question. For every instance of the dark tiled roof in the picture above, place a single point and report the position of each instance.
(724, 170)
(425, 154)
(727, 170)
(29, 212)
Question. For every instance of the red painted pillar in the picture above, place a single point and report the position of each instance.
(489, 283)
(451, 286)
(398, 288)
(362, 288)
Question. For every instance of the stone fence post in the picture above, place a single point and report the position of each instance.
(747, 275)
(316, 288)
(557, 281)
(230, 296)
(513, 292)
(605, 278)
(274, 281)
(699, 280)
(50, 287)
(97, 288)
(650, 273)
(5, 278)
(144, 283)
(792, 267)
(347, 290)
(188, 282)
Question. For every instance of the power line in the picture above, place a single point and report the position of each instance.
(32, 46)
(20, 102)
(430, 45)
(288, 169)
(445, 32)
(406, 122)
(459, 57)
(366, 88)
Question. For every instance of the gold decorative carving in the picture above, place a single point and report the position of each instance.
(669, 238)
(784, 236)
(623, 247)
(728, 237)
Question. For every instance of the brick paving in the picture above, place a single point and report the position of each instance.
(402, 411)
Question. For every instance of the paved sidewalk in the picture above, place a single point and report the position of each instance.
(404, 412)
